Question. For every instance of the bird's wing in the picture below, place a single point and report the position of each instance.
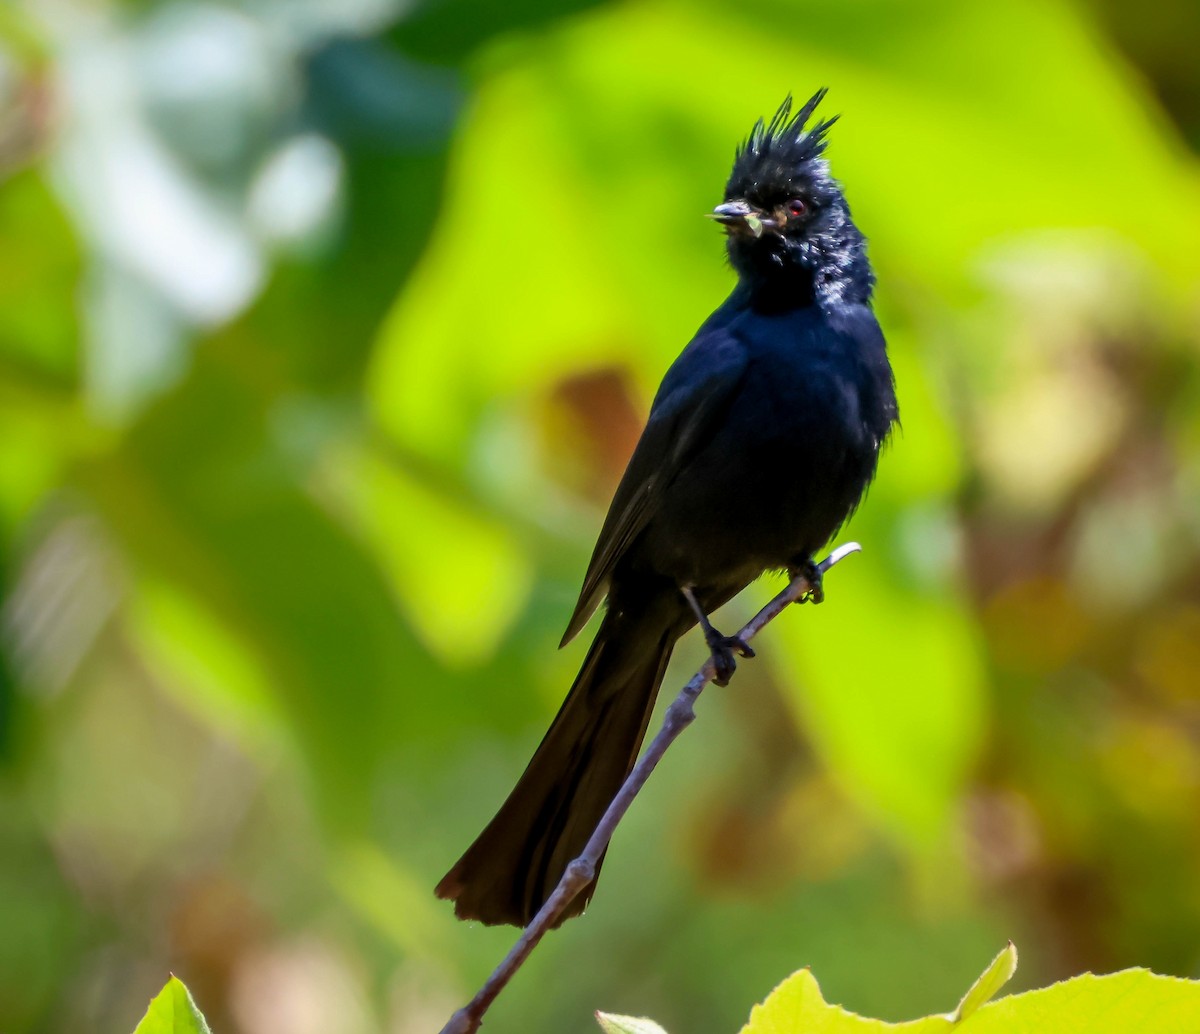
(688, 406)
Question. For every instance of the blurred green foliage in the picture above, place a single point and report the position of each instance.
(325, 331)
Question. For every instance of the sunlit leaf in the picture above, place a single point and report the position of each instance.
(172, 1011)
(999, 973)
(1115, 1004)
(613, 1024)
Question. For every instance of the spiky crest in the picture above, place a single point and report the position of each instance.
(785, 138)
(781, 151)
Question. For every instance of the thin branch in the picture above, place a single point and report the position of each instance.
(582, 870)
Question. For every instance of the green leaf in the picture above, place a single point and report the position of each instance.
(172, 1011)
(1133, 999)
(611, 1024)
(990, 981)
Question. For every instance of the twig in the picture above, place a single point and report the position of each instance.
(582, 870)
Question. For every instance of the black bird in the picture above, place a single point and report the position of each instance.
(760, 443)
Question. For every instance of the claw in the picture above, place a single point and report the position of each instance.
(816, 589)
(723, 647)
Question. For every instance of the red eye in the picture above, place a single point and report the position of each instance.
(797, 207)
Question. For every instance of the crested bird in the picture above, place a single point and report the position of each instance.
(760, 443)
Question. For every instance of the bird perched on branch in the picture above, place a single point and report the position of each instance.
(760, 443)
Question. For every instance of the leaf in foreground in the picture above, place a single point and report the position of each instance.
(993, 978)
(172, 1011)
(1131, 1000)
(612, 1024)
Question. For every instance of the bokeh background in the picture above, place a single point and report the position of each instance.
(326, 327)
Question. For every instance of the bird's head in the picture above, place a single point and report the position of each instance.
(786, 217)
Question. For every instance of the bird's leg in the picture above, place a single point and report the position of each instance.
(816, 591)
(722, 647)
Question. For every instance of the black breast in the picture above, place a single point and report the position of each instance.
(791, 457)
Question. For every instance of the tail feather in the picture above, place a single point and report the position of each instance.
(507, 874)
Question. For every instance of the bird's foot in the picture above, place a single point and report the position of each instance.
(723, 648)
(816, 582)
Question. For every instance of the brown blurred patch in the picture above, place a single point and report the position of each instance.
(775, 816)
(1168, 656)
(215, 927)
(1072, 904)
(1003, 841)
(27, 121)
(1035, 625)
(591, 425)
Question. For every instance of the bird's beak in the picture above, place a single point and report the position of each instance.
(739, 216)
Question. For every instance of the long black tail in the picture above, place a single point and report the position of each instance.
(507, 874)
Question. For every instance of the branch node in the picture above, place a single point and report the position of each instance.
(679, 715)
(580, 872)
